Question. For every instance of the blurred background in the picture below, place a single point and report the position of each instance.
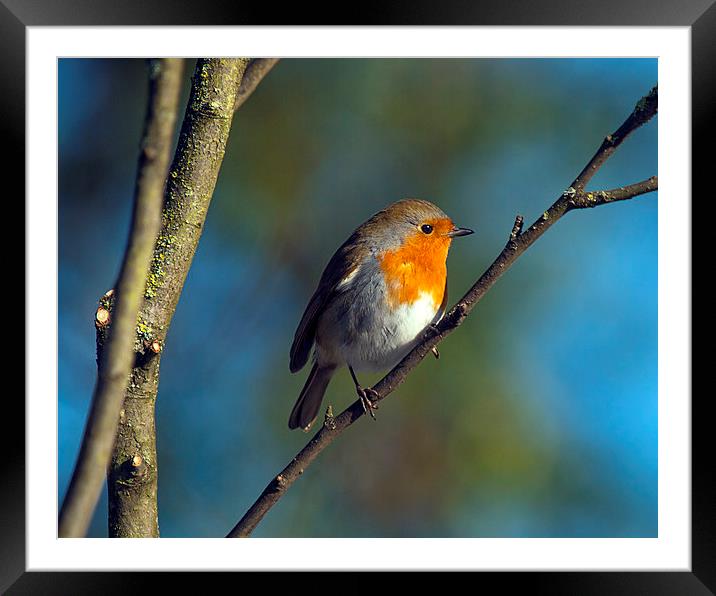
(540, 418)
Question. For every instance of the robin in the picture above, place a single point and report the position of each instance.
(381, 289)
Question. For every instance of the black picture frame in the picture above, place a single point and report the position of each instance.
(700, 15)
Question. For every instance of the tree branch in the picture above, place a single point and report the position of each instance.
(257, 69)
(517, 243)
(584, 199)
(644, 111)
(116, 360)
(132, 488)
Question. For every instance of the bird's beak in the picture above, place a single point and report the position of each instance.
(455, 232)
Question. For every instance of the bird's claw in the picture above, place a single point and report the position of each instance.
(368, 397)
(432, 330)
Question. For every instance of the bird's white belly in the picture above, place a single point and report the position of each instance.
(392, 334)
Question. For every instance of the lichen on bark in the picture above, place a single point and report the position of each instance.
(190, 186)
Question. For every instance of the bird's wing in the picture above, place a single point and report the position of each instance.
(342, 264)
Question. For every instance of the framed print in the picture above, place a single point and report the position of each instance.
(538, 412)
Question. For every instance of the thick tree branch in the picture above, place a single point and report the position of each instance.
(132, 486)
(517, 243)
(117, 357)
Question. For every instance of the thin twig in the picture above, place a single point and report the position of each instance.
(644, 110)
(257, 69)
(118, 355)
(595, 198)
(517, 243)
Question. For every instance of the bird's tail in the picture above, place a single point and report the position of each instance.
(309, 402)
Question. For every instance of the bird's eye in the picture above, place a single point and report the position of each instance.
(426, 229)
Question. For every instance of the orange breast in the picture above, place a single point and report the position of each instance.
(418, 267)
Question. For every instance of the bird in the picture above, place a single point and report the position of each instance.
(380, 291)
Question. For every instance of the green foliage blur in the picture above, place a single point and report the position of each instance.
(539, 419)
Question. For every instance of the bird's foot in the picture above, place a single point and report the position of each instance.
(368, 397)
(432, 330)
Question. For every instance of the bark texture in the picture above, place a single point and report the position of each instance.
(133, 472)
